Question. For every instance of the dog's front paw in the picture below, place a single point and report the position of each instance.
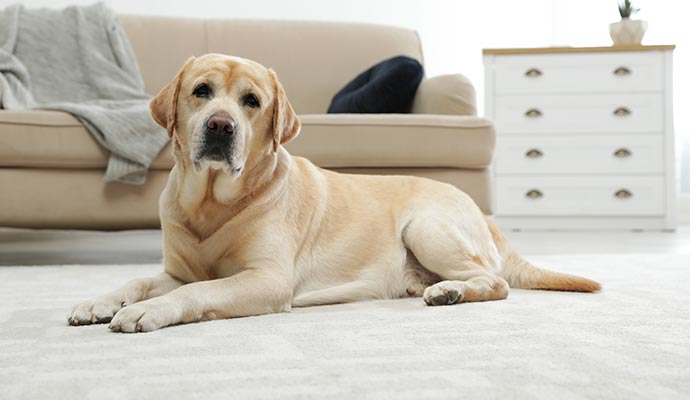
(443, 293)
(146, 316)
(94, 312)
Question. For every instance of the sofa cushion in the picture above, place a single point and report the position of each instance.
(307, 55)
(56, 139)
(37, 138)
(387, 87)
(313, 59)
(395, 140)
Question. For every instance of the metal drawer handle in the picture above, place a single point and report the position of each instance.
(622, 71)
(533, 113)
(622, 112)
(623, 194)
(533, 73)
(622, 153)
(534, 194)
(534, 153)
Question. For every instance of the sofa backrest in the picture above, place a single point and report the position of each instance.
(313, 60)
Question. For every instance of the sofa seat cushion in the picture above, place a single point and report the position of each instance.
(38, 138)
(57, 140)
(395, 140)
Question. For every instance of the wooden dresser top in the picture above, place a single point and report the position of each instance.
(561, 50)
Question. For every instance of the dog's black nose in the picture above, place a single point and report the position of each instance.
(220, 123)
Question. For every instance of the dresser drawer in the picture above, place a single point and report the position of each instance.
(580, 73)
(580, 154)
(612, 113)
(580, 196)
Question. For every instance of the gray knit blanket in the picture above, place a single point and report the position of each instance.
(79, 60)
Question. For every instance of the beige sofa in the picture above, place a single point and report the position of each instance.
(51, 170)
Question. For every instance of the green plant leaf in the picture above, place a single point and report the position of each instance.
(626, 9)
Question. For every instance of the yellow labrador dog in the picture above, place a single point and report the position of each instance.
(249, 229)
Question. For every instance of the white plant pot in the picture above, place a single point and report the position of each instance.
(627, 32)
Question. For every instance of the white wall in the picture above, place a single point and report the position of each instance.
(455, 31)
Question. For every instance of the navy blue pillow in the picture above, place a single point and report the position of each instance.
(387, 87)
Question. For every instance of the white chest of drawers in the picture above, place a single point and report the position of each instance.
(584, 137)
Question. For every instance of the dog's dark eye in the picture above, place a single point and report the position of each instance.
(250, 100)
(203, 91)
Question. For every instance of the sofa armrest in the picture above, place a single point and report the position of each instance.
(445, 94)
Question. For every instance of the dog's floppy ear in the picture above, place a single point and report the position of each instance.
(164, 105)
(286, 124)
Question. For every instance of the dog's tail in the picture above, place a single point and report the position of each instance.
(521, 274)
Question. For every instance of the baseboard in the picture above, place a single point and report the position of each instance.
(583, 223)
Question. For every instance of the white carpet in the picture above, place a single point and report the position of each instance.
(630, 341)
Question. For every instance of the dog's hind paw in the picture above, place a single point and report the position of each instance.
(443, 293)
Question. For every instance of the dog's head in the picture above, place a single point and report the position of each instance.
(225, 112)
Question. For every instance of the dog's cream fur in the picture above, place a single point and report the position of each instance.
(266, 231)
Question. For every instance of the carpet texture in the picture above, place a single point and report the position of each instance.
(632, 341)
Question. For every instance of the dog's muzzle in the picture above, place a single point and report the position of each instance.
(218, 139)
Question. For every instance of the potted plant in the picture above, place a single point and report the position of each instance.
(627, 32)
